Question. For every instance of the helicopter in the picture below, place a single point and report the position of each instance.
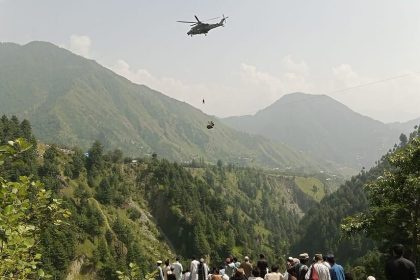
(200, 27)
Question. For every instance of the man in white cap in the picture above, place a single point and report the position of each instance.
(302, 267)
(246, 266)
(289, 264)
(202, 270)
(159, 275)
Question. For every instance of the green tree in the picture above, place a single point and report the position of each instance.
(95, 160)
(116, 156)
(78, 162)
(105, 192)
(26, 129)
(26, 209)
(403, 139)
(394, 202)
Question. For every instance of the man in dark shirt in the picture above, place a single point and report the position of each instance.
(399, 268)
(262, 265)
(247, 267)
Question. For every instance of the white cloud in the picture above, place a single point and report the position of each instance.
(270, 87)
(386, 101)
(344, 75)
(291, 64)
(257, 90)
(80, 44)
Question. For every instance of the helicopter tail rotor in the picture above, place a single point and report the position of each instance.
(223, 20)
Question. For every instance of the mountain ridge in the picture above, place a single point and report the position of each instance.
(323, 127)
(73, 101)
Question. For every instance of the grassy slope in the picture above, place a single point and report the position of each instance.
(306, 184)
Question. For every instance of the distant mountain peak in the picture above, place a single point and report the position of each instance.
(303, 101)
(322, 127)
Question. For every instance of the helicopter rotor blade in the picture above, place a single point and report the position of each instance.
(212, 19)
(186, 21)
(197, 18)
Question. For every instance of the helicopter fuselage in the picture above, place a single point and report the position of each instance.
(203, 28)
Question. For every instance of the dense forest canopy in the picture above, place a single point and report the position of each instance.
(126, 210)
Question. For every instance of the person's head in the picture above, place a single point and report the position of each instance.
(262, 256)
(274, 268)
(227, 260)
(398, 250)
(330, 259)
(304, 257)
(371, 278)
(167, 262)
(235, 259)
(246, 258)
(255, 272)
(172, 268)
(193, 258)
(202, 260)
(177, 259)
(289, 262)
(216, 271)
(239, 272)
(158, 263)
(318, 257)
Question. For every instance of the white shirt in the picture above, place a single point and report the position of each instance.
(186, 276)
(322, 270)
(166, 270)
(327, 264)
(273, 276)
(160, 273)
(177, 270)
(193, 269)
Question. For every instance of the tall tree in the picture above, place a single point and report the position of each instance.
(95, 160)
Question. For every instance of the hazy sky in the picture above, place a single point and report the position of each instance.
(266, 50)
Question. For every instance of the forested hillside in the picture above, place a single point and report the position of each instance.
(126, 210)
(73, 101)
(369, 213)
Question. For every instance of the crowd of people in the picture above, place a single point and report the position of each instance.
(296, 269)
(300, 268)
